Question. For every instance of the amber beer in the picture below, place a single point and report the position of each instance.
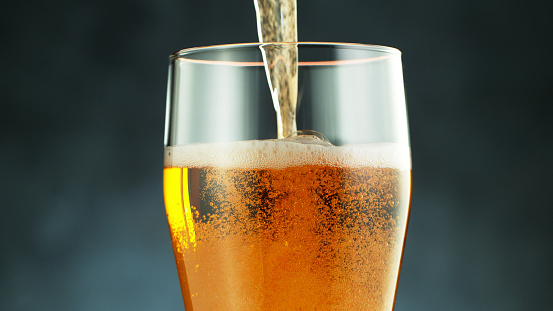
(273, 225)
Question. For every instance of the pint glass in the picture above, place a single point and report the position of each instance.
(313, 221)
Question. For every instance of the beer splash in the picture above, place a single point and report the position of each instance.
(277, 22)
(308, 137)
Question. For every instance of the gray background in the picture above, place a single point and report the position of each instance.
(83, 96)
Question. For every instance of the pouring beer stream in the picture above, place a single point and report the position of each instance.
(277, 22)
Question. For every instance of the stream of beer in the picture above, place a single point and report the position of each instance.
(277, 22)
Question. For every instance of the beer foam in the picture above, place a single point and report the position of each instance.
(278, 154)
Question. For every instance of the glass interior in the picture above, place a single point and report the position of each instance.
(351, 93)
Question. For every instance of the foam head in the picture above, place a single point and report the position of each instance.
(279, 154)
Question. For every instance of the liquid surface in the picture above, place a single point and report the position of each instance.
(271, 225)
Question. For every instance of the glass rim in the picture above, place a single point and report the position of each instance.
(385, 50)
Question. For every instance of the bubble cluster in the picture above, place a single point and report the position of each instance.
(310, 237)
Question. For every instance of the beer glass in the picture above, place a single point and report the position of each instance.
(313, 221)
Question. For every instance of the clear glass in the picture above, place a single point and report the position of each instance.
(315, 221)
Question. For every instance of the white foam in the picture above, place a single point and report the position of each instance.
(259, 154)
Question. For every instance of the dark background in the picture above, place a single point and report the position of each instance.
(83, 87)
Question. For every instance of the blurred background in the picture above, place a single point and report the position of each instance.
(83, 90)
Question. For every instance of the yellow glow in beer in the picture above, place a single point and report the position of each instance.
(276, 225)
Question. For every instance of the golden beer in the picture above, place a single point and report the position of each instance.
(274, 225)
